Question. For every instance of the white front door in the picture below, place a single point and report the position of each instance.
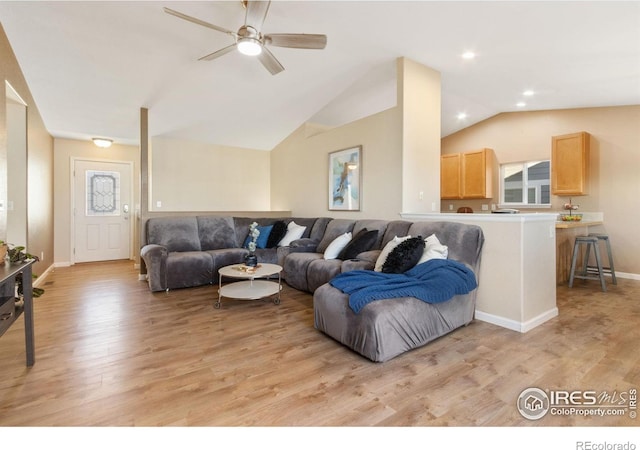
(102, 205)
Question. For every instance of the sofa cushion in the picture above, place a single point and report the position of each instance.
(177, 234)
(277, 233)
(337, 245)
(361, 242)
(404, 256)
(216, 232)
(188, 269)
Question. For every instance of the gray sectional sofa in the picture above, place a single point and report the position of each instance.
(182, 252)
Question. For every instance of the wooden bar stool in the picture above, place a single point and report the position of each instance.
(607, 269)
(584, 274)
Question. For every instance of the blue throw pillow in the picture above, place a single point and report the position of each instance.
(264, 236)
(261, 242)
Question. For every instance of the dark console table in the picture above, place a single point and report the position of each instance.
(9, 311)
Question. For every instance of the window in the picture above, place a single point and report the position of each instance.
(526, 183)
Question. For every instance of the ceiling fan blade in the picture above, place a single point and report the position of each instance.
(256, 13)
(310, 41)
(198, 21)
(270, 62)
(218, 53)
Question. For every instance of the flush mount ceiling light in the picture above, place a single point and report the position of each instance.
(249, 46)
(461, 116)
(528, 93)
(521, 104)
(102, 142)
(249, 41)
(468, 55)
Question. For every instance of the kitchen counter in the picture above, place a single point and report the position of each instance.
(517, 279)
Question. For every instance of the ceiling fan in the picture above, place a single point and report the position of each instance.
(250, 41)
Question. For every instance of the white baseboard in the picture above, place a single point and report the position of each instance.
(629, 276)
(42, 277)
(62, 264)
(142, 277)
(514, 325)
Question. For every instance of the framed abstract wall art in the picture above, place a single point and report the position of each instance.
(345, 179)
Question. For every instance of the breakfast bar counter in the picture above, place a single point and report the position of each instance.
(566, 233)
(580, 224)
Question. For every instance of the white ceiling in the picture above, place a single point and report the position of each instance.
(92, 65)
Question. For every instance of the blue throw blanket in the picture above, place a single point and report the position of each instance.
(433, 281)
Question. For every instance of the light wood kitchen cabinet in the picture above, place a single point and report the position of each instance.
(570, 164)
(467, 175)
(450, 182)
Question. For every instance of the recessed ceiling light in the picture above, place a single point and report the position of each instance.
(468, 55)
(528, 93)
(462, 116)
(521, 104)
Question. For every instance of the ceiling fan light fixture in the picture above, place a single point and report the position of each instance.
(249, 46)
(102, 142)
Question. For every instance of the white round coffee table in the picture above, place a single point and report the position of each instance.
(253, 288)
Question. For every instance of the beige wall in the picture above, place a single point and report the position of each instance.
(419, 94)
(64, 151)
(400, 155)
(192, 176)
(39, 163)
(615, 160)
(299, 167)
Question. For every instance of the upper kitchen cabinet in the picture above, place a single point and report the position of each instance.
(450, 170)
(467, 175)
(570, 164)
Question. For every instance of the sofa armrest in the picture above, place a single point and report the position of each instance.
(356, 264)
(305, 245)
(369, 256)
(155, 258)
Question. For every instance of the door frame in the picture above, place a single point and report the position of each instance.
(72, 221)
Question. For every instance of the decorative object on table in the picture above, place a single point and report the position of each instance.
(571, 217)
(251, 259)
(345, 179)
(3, 252)
(17, 254)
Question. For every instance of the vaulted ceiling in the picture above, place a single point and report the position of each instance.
(91, 65)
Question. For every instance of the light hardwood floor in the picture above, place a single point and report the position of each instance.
(109, 352)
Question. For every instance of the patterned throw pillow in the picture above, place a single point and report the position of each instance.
(404, 256)
(388, 248)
